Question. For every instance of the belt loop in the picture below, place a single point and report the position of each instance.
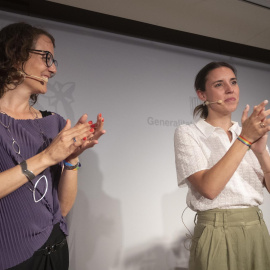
(216, 219)
(225, 221)
(260, 214)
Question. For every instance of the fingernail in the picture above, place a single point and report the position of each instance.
(100, 115)
(90, 122)
(91, 130)
(102, 120)
(84, 138)
(93, 126)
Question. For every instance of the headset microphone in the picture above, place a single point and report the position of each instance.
(212, 102)
(41, 79)
(45, 79)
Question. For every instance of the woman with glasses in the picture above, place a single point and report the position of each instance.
(39, 153)
(226, 168)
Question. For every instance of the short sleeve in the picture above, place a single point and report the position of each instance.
(189, 157)
(61, 121)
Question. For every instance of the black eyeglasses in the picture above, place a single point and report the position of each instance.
(49, 61)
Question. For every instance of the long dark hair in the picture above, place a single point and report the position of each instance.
(15, 41)
(200, 81)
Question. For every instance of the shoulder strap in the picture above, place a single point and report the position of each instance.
(45, 113)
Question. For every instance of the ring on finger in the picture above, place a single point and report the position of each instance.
(262, 125)
(74, 139)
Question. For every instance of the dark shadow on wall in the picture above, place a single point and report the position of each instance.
(151, 256)
(154, 255)
(173, 205)
(95, 222)
(167, 252)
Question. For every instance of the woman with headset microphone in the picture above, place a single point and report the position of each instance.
(39, 154)
(226, 167)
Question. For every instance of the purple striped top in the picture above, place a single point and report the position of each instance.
(24, 224)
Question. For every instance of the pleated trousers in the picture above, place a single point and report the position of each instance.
(230, 239)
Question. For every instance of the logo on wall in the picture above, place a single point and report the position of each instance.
(152, 121)
(60, 96)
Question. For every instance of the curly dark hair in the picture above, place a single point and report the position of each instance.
(15, 41)
(200, 81)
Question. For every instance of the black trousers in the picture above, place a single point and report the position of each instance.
(53, 255)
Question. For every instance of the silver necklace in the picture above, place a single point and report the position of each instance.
(45, 143)
(17, 150)
(15, 145)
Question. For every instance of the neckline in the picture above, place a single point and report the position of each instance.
(232, 123)
(15, 119)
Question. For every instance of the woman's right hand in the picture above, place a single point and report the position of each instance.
(96, 132)
(67, 141)
(256, 125)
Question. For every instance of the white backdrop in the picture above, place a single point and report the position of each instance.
(127, 215)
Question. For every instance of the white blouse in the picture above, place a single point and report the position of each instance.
(200, 146)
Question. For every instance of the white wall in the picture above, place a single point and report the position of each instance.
(127, 215)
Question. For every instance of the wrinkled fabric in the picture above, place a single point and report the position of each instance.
(24, 224)
(235, 239)
(199, 147)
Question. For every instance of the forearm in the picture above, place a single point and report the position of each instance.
(264, 160)
(212, 181)
(13, 178)
(67, 189)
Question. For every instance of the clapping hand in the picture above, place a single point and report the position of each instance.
(72, 141)
(256, 126)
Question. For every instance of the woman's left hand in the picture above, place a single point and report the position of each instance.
(97, 131)
(258, 146)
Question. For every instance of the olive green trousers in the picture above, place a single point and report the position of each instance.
(230, 239)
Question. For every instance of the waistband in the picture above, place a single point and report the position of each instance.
(50, 249)
(55, 241)
(230, 217)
